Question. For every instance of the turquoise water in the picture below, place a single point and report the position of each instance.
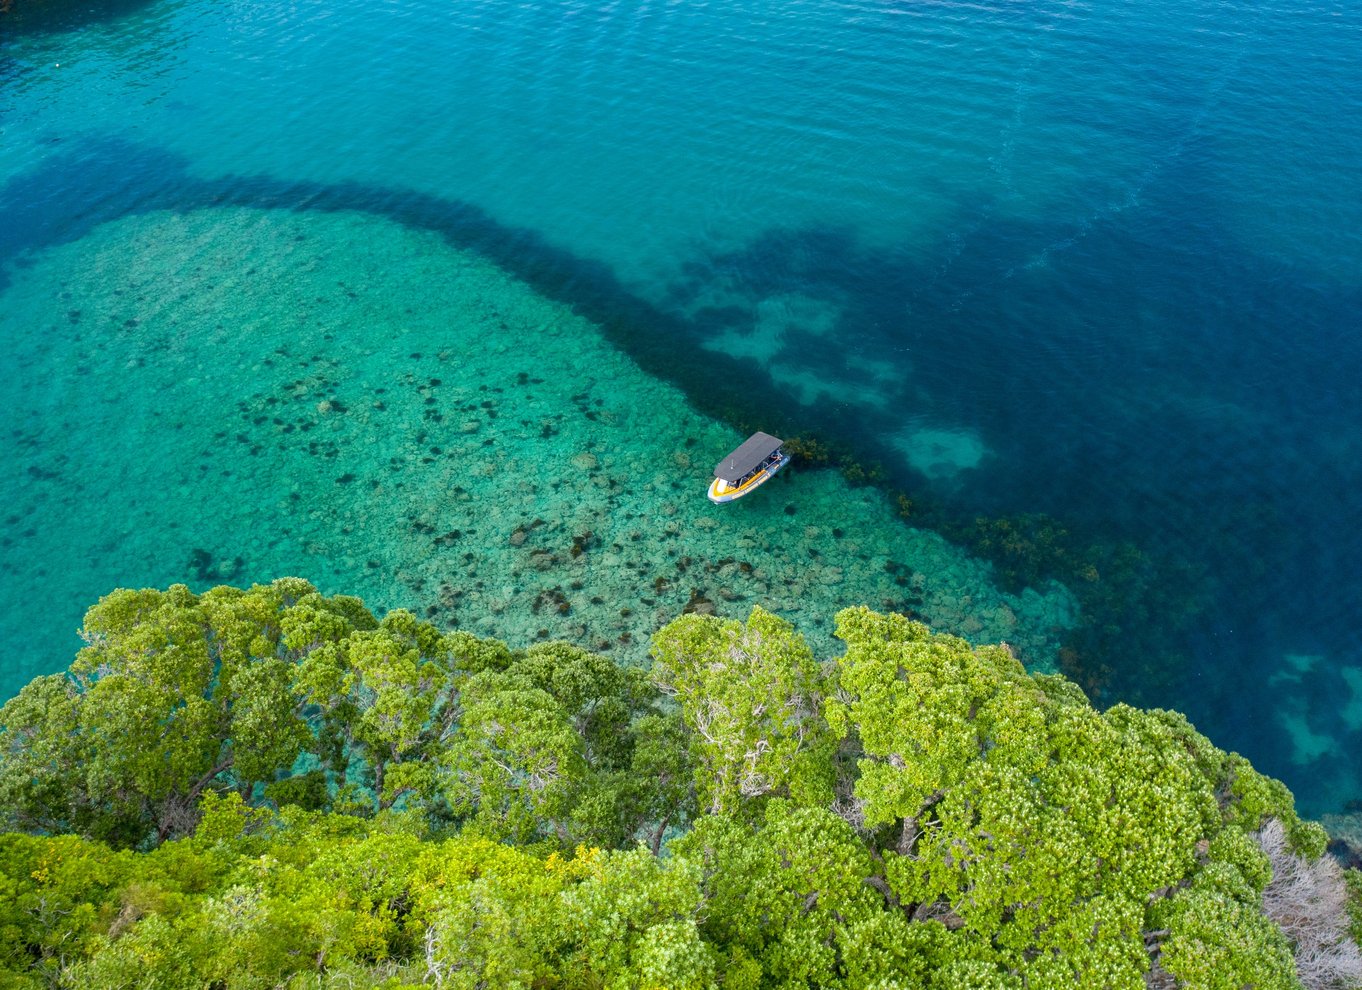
(1100, 263)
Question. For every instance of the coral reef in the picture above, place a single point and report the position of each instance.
(345, 398)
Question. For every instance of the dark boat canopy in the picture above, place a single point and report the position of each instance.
(747, 458)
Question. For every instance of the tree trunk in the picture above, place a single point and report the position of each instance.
(178, 812)
(908, 837)
(207, 778)
(655, 842)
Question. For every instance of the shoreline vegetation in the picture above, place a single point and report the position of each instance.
(269, 787)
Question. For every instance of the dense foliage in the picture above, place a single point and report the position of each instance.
(271, 787)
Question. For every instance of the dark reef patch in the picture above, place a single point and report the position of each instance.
(207, 569)
(57, 16)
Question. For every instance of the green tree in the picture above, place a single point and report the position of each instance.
(388, 698)
(1045, 834)
(176, 694)
(564, 744)
(752, 699)
(783, 900)
(490, 913)
(515, 766)
(632, 921)
(163, 700)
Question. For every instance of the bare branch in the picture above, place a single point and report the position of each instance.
(1309, 902)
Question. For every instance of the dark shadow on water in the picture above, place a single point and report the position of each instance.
(57, 16)
(1168, 415)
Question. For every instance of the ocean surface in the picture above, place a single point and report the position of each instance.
(454, 306)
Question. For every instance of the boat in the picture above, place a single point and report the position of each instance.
(755, 462)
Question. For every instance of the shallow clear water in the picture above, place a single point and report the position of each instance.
(1056, 257)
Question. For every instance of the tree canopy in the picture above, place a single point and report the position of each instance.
(271, 787)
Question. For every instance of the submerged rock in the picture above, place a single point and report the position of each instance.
(699, 604)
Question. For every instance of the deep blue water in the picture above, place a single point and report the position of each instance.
(1097, 262)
